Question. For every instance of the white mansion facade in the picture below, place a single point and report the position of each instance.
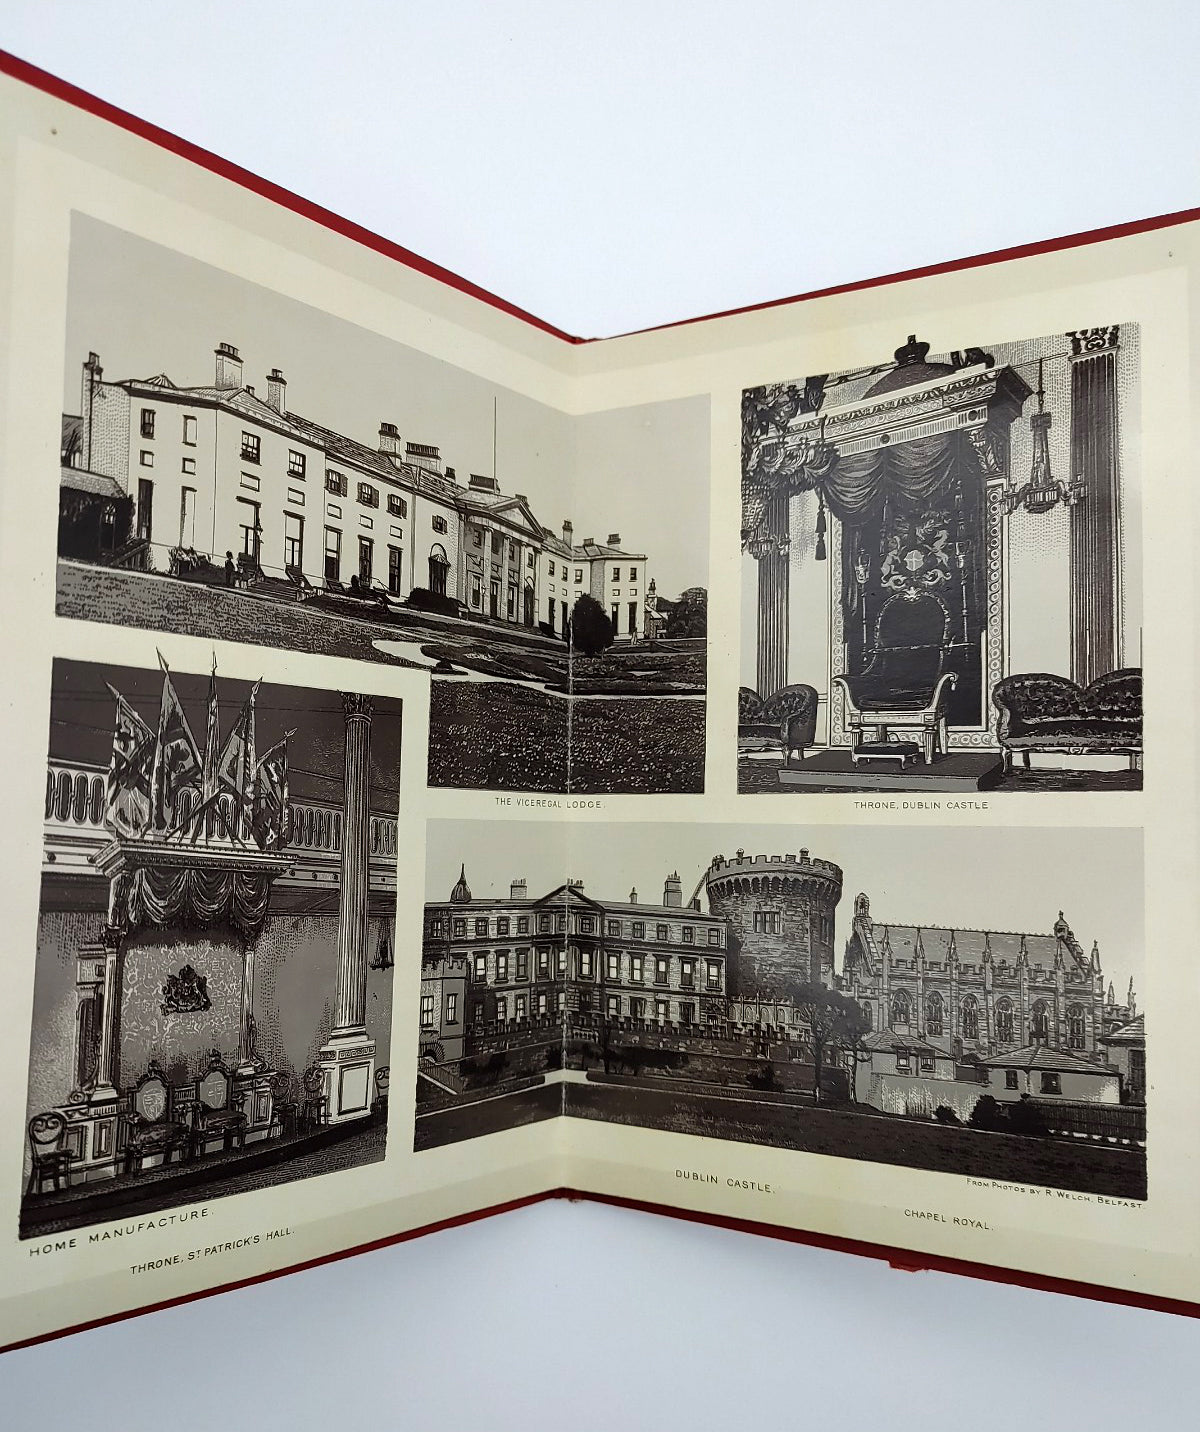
(218, 469)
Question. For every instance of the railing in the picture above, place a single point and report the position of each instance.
(75, 795)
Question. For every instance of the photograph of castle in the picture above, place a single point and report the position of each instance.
(215, 943)
(315, 486)
(959, 1024)
(942, 571)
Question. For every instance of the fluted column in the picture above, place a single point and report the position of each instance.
(774, 578)
(350, 1003)
(1095, 519)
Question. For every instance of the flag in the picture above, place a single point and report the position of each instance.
(271, 813)
(176, 759)
(127, 790)
(236, 767)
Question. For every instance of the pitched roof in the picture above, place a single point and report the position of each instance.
(1005, 945)
(886, 1040)
(1041, 1056)
(97, 483)
(1133, 1032)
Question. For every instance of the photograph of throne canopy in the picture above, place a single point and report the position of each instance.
(942, 571)
(214, 952)
(836, 997)
(375, 502)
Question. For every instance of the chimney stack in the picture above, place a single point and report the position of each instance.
(92, 375)
(673, 891)
(633, 896)
(277, 391)
(518, 890)
(568, 533)
(614, 539)
(229, 366)
(389, 440)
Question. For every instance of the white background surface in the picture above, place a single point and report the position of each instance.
(610, 167)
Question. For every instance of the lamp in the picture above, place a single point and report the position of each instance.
(1042, 492)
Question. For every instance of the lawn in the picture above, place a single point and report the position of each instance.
(846, 1133)
(487, 1116)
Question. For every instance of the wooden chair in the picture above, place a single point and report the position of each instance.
(383, 1078)
(314, 1113)
(150, 1126)
(47, 1147)
(216, 1113)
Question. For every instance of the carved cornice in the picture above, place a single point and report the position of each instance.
(122, 857)
(1092, 342)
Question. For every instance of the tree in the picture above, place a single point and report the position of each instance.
(591, 630)
(689, 617)
(833, 1020)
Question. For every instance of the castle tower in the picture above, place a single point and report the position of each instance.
(781, 908)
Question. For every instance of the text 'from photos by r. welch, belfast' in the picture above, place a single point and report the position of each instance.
(870, 995)
(942, 575)
(215, 940)
(359, 498)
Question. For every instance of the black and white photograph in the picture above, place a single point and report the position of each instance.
(872, 995)
(216, 938)
(237, 465)
(942, 571)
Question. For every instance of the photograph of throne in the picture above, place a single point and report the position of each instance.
(941, 571)
(218, 876)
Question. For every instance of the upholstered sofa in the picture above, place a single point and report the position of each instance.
(786, 720)
(1041, 712)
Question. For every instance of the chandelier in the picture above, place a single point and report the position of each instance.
(1043, 491)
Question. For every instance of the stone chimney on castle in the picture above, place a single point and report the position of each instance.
(673, 891)
(277, 391)
(519, 890)
(569, 533)
(389, 440)
(229, 367)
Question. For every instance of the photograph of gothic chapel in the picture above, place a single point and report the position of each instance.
(942, 571)
(214, 950)
(377, 503)
(984, 1025)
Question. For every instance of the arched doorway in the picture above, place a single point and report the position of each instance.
(439, 567)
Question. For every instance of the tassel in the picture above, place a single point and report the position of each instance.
(821, 527)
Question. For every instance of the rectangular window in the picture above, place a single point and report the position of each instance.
(714, 974)
(585, 964)
(614, 1006)
(560, 961)
(481, 969)
(188, 465)
(522, 964)
(438, 523)
(662, 1010)
(522, 924)
(612, 968)
(662, 933)
(495, 544)
(147, 458)
(541, 1004)
(633, 574)
(395, 567)
(632, 617)
(585, 1002)
(251, 447)
(522, 1005)
(637, 968)
(333, 554)
(502, 967)
(639, 930)
(147, 428)
(249, 526)
(586, 924)
(297, 464)
(502, 925)
(187, 516)
(687, 1013)
(1051, 1084)
(579, 574)
(714, 936)
(543, 922)
(616, 574)
(689, 935)
(543, 964)
(460, 929)
(637, 1009)
(687, 974)
(366, 558)
(427, 1003)
(250, 481)
(512, 551)
(397, 505)
(614, 927)
(293, 540)
(476, 590)
(368, 495)
(189, 430)
(477, 1012)
(927, 1064)
(435, 929)
(661, 970)
(335, 482)
(614, 613)
(481, 926)
(501, 1008)
(902, 1064)
(766, 922)
(512, 602)
(452, 1009)
(1010, 1079)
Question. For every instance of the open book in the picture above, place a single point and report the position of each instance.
(451, 763)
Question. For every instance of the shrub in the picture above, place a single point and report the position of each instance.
(1025, 1117)
(591, 630)
(689, 617)
(423, 600)
(987, 1114)
(944, 1114)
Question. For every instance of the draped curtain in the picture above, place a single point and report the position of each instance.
(917, 474)
(197, 897)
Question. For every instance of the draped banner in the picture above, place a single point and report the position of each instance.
(197, 897)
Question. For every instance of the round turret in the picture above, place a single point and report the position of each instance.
(781, 908)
